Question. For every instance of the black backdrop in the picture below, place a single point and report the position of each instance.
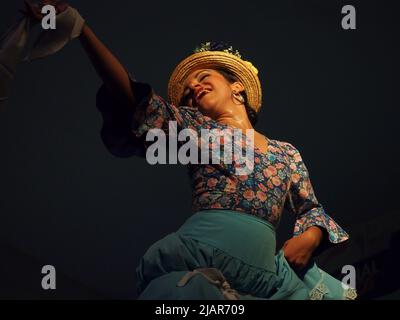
(67, 202)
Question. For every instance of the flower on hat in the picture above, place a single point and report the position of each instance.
(222, 46)
(217, 46)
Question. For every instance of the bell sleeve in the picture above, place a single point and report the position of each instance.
(301, 200)
(125, 125)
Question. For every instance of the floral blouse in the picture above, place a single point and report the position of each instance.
(279, 179)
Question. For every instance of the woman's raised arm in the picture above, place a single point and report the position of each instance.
(108, 67)
(111, 71)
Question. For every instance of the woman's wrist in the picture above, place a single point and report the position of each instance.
(314, 235)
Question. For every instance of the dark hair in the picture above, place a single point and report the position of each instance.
(231, 78)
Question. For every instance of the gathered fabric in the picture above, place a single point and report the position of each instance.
(215, 277)
(228, 255)
(14, 44)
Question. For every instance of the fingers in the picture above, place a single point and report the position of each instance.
(35, 10)
(60, 6)
(297, 260)
(297, 264)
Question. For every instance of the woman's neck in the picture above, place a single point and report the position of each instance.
(243, 124)
(235, 116)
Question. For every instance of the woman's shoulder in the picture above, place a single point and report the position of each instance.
(284, 146)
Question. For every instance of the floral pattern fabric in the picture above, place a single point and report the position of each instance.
(279, 179)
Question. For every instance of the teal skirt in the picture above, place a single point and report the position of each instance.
(228, 255)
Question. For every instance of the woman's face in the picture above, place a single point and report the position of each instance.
(209, 91)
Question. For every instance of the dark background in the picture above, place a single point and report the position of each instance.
(333, 93)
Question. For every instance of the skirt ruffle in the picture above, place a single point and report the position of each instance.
(179, 267)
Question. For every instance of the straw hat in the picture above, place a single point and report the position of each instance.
(210, 56)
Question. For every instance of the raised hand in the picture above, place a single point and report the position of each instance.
(34, 10)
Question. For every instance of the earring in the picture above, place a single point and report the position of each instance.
(239, 97)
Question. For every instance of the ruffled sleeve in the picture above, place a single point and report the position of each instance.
(125, 125)
(301, 200)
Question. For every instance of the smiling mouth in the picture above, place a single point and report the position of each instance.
(201, 95)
